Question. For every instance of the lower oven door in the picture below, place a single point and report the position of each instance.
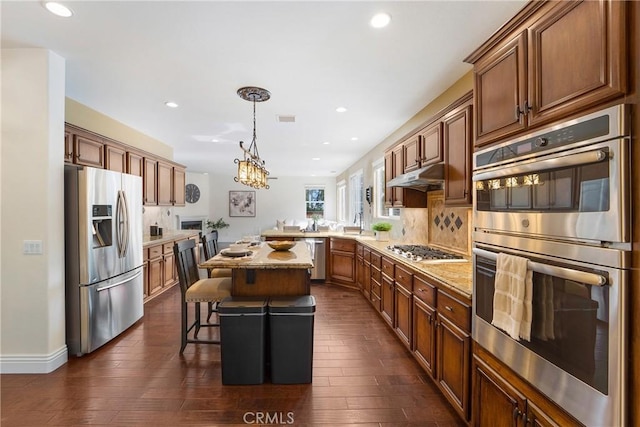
(576, 352)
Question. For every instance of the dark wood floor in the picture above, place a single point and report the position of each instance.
(362, 376)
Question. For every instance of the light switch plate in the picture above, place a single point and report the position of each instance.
(32, 247)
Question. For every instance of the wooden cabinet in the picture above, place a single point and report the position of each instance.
(164, 184)
(343, 261)
(170, 184)
(453, 364)
(403, 313)
(457, 156)
(178, 186)
(160, 272)
(115, 157)
(398, 169)
(88, 150)
(135, 164)
(412, 153)
(376, 280)
(169, 268)
(149, 189)
(424, 335)
(155, 270)
(501, 397)
(387, 300)
(68, 145)
(388, 176)
(431, 145)
(498, 403)
(551, 61)
(454, 351)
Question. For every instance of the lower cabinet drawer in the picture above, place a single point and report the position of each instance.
(456, 311)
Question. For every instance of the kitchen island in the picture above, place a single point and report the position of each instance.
(266, 272)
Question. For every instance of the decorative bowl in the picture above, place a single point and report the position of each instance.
(281, 245)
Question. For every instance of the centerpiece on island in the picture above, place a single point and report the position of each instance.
(382, 231)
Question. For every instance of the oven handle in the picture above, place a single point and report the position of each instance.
(563, 273)
(540, 165)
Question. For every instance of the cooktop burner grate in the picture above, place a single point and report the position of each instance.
(421, 252)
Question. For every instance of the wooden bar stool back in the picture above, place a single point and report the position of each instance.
(195, 290)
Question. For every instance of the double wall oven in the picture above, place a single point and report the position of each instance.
(560, 198)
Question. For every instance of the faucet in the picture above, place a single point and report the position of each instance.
(358, 217)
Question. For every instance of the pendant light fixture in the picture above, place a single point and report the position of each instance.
(251, 169)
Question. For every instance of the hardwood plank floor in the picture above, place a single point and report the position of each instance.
(362, 376)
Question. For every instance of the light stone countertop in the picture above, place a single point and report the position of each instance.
(167, 236)
(263, 257)
(457, 276)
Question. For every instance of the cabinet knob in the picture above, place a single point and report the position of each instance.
(448, 308)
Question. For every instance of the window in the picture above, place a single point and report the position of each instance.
(314, 197)
(379, 193)
(356, 189)
(341, 196)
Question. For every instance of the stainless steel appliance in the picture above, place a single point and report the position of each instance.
(560, 198)
(317, 247)
(103, 245)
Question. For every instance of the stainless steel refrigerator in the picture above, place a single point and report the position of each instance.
(103, 256)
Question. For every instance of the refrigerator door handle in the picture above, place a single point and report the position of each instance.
(121, 224)
(126, 230)
(113, 285)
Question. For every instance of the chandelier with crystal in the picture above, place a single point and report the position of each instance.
(252, 170)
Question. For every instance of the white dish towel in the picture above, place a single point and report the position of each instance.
(512, 296)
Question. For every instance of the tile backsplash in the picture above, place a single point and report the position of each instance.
(162, 216)
(439, 225)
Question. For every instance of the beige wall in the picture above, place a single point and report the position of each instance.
(32, 294)
(32, 286)
(86, 118)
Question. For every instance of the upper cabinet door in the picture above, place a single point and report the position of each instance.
(457, 156)
(576, 58)
(88, 151)
(165, 184)
(500, 90)
(178, 186)
(149, 188)
(115, 158)
(411, 154)
(431, 145)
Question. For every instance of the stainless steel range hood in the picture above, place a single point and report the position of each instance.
(428, 178)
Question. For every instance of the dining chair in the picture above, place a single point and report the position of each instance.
(195, 291)
(210, 246)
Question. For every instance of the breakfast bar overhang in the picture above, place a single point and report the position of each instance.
(265, 272)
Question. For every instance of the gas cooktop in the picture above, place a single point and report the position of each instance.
(424, 253)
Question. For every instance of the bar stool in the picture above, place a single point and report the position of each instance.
(210, 246)
(195, 290)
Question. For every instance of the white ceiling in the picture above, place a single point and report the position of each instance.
(125, 59)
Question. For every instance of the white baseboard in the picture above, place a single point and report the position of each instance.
(33, 364)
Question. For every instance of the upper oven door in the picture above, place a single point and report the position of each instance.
(576, 194)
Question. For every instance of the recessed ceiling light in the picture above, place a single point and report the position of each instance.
(354, 138)
(316, 158)
(326, 143)
(171, 104)
(341, 109)
(58, 9)
(214, 140)
(380, 20)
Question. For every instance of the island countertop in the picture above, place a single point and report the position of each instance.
(263, 257)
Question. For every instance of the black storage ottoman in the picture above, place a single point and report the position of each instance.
(242, 339)
(291, 339)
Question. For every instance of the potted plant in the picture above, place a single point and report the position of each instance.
(382, 231)
(217, 225)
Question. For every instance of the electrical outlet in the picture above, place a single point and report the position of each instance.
(32, 247)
